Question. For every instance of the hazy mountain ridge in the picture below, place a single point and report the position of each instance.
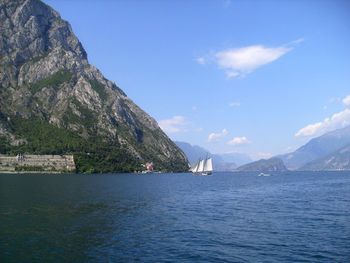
(317, 148)
(221, 162)
(338, 160)
(264, 165)
(47, 84)
(193, 152)
(326, 152)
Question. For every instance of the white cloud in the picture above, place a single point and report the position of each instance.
(239, 141)
(241, 61)
(234, 104)
(309, 130)
(346, 101)
(216, 136)
(238, 62)
(174, 125)
(336, 121)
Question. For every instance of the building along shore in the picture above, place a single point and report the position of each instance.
(37, 163)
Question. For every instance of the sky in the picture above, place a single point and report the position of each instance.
(256, 77)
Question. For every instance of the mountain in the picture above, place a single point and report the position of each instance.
(193, 152)
(317, 148)
(263, 165)
(221, 162)
(238, 158)
(338, 160)
(52, 101)
(225, 166)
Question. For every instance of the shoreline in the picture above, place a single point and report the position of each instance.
(34, 172)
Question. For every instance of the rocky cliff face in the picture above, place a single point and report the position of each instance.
(48, 86)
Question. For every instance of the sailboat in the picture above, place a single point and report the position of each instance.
(203, 167)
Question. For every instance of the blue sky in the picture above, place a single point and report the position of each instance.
(258, 77)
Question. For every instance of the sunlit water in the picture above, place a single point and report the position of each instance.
(227, 217)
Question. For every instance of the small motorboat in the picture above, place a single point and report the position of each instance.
(264, 174)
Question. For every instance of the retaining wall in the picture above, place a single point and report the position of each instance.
(53, 163)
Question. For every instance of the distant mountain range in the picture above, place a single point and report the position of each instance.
(222, 162)
(269, 165)
(317, 149)
(238, 158)
(193, 152)
(330, 151)
(338, 160)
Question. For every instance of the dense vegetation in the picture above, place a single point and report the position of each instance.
(55, 80)
(93, 155)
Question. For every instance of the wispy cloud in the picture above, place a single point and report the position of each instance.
(291, 148)
(346, 101)
(238, 62)
(234, 104)
(212, 137)
(242, 61)
(175, 124)
(239, 141)
(334, 100)
(201, 60)
(336, 121)
(264, 155)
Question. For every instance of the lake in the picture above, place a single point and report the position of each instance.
(227, 217)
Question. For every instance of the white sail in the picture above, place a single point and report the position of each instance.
(200, 167)
(194, 168)
(203, 167)
(208, 165)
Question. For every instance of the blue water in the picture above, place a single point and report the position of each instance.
(227, 217)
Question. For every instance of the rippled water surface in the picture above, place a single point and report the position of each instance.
(227, 217)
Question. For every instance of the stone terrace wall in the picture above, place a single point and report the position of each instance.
(52, 163)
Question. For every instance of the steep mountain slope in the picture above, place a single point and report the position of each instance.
(338, 160)
(269, 165)
(317, 148)
(53, 101)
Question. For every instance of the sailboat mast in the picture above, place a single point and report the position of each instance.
(205, 164)
(197, 166)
